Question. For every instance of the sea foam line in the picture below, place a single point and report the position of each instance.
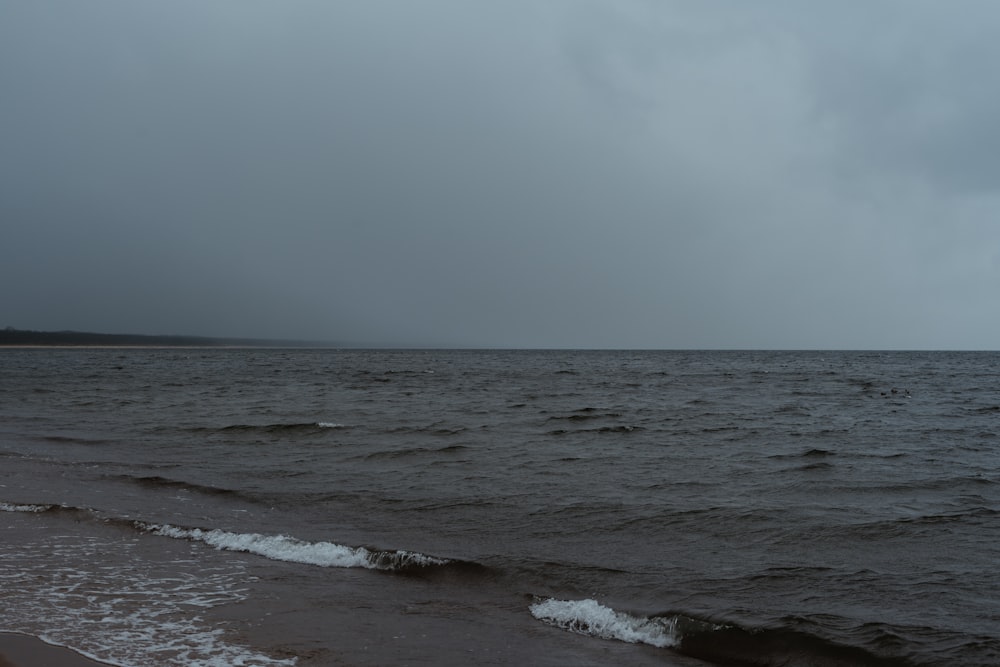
(589, 617)
(10, 507)
(293, 550)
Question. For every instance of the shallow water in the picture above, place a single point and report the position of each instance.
(260, 507)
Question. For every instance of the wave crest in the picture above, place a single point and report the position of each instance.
(588, 617)
(294, 550)
(11, 507)
(718, 643)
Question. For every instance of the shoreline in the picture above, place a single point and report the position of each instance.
(21, 650)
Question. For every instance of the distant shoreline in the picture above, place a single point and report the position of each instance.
(22, 338)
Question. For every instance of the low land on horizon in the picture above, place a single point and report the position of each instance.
(11, 337)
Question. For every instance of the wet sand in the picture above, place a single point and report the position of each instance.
(27, 651)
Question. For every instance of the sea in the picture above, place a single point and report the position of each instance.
(260, 507)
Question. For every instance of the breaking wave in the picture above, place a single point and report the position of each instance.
(294, 550)
(718, 643)
(11, 507)
(588, 617)
(275, 547)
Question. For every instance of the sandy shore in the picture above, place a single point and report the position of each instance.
(27, 651)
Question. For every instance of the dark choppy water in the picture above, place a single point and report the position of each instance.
(314, 507)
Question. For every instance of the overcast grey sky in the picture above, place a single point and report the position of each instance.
(539, 173)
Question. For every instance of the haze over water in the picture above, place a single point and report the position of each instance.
(562, 174)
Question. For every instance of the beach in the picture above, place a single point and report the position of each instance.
(27, 651)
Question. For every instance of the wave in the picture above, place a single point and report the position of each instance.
(588, 617)
(11, 507)
(287, 428)
(75, 440)
(585, 414)
(156, 481)
(280, 428)
(624, 428)
(815, 452)
(274, 547)
(30, 508)
(411, 451)
(437, 428)
(294, 550)
(718, 643)
(821, 465)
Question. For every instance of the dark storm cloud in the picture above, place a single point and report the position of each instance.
(544, 174)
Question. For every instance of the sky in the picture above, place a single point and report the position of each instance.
(774, 174)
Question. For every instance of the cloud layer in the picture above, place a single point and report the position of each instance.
(560, 174)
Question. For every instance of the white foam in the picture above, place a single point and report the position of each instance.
(8, 507)
(329, 425)
(588, 617)
(98, 597)
(293, 550)
(51, 642)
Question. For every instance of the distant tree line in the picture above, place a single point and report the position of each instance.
(11, 336)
